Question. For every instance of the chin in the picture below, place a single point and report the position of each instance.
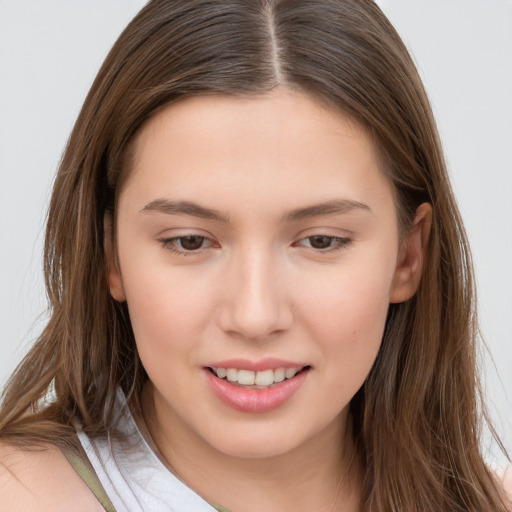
(255, 452)
(260, 445)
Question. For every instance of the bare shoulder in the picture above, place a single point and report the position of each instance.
(505, 477)
(41, 479)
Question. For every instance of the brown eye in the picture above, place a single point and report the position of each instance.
(324, 243)
(191, 242)
(321, 242)
(188, 245)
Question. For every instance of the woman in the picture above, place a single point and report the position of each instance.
(252, 242)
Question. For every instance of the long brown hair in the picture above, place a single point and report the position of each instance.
(416, 419)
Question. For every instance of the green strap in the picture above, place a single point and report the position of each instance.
(86, 472)
(218, 507)
(83, 467)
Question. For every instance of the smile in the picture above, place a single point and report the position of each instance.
(256, 380)
(252, 391)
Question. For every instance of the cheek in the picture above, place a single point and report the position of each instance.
(346, 315)
(167, 311)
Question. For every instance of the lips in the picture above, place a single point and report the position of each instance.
(250, 387)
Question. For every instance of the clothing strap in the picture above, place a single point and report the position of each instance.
(81, 464)
(218, 507)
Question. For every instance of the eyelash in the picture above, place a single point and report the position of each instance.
(170, 244)
(340, 242)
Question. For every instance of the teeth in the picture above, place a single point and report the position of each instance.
(290, 372)
(245, 377)
(221, 372)
(259, 380)
(232, 374)
(279, 375)
(264, 378)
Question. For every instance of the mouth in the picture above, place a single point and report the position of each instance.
(255, 387)
(257, 379)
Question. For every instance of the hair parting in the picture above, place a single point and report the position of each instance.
(415, 420)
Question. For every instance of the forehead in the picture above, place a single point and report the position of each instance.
(283, 147)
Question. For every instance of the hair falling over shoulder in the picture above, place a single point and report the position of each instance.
(417, 418)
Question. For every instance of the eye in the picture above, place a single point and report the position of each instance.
(324, 243)
(186, 245)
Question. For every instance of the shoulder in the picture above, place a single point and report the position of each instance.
(41, 479)
(505, 477)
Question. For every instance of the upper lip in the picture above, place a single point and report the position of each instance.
(268, 363)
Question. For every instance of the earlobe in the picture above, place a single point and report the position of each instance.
(412, 256)
(114, 275)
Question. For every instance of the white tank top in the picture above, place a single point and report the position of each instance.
(133, 476)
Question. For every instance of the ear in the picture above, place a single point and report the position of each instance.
(114, 275)
(412, 256)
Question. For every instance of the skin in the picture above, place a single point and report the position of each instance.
(41, 480)
(257, 286)
(260, 289)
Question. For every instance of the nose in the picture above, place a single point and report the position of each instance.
(255, 303)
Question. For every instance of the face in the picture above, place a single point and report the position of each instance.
(258, 252)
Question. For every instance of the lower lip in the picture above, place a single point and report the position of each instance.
(255, 400)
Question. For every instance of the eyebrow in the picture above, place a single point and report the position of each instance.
(332, 207)
(185, 208)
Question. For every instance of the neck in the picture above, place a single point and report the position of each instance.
(322, 474)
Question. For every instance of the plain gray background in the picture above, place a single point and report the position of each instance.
(50, 51)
